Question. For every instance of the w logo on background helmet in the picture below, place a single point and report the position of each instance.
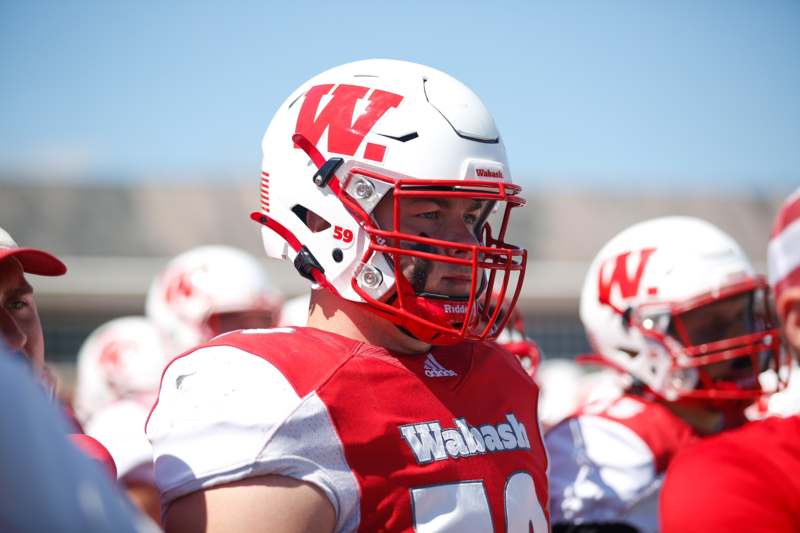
(346, 132)
(184, 290)
(615, 273)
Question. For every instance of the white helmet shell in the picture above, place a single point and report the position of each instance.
(295, 311)
(202, 282)
(123, 358)
(408, 120)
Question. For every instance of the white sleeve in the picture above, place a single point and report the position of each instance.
(224, 414)
(601, 471)
(120, 428)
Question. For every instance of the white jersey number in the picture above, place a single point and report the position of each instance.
(460, 507)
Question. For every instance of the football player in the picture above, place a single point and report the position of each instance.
(748, 479)
(21, 328)
(385, 183)
(295, 311)
(211, 290)
(119, 370)
(674, 303)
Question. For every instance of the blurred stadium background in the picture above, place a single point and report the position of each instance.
(116, 238)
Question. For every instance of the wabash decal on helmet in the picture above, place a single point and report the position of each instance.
(380, 131)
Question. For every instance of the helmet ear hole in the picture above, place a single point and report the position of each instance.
(313, 221)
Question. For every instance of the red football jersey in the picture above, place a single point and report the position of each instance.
(746, 479)
(608, 461)
(446, 441)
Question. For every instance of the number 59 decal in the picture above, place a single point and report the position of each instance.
(342, 234)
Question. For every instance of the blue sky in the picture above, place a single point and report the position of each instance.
(624, 94)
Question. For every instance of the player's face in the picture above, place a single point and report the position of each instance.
(723, 319)
(448, 219)
(720, 320)
(20, 327)
(220, 323)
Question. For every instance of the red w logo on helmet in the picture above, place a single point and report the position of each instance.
(627, 285)
(345, 131)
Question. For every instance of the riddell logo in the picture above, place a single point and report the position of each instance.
(486, 173)
(457, 309)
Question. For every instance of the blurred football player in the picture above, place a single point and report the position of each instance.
(386, 184)
(119, 370)
(211, 290)
(783, 256)
(295, 311)
(121, 359)
(748, 479)
(674, 303)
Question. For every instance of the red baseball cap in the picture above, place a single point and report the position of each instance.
(33, 261)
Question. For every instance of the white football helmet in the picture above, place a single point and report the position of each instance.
(675, 303)
(376, 129)
(123, 358)
(295, 311)
(192, 297)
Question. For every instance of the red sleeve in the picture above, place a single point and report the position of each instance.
(94, 450)
(719, 485)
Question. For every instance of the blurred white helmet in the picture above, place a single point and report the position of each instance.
(559, 383)
(295, 311)
(375, 129)
(123, 358)
(210, 290)
(675, 303)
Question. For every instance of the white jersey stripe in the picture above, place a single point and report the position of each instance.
(264, 428)
(783, 253)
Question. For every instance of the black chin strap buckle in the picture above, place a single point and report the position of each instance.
(306, 263)
(326, 171)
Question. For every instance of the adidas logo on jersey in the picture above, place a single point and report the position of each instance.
(429, 442)
(433, 369)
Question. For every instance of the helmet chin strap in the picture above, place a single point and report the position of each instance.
(442, 309)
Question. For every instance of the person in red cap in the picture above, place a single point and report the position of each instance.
(20, 326)
(747, 479)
